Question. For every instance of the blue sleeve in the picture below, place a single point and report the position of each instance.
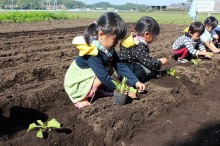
(97, 66)
(124, 71)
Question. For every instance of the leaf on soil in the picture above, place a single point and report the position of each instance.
(53, 124)
(40, 134)
(177, 77)
(32, 126)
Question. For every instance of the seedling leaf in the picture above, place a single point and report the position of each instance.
(117, 84)
(177, 77)
(124, 80)
(40, 122)
(132, 90)
(171, 72)
(123, 86)
(32, 126)
(53, 124)
(40, 134)
(195, 62)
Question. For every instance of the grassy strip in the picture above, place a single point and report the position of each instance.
(161, 17)
(31, 16)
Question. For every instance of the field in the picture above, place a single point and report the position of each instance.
(34, 58)
(167, 17)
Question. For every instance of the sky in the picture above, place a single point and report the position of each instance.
(144, 2)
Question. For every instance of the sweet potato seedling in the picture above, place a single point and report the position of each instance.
(196, 62)
(123, 88)
(171, 72)
(44, 127)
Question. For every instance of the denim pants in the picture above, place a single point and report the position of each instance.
(142, 73)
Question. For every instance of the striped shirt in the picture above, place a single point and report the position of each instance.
(187, 41)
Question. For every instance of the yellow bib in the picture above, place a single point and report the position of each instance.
(85, 49)
(130, 42)
(186, 30)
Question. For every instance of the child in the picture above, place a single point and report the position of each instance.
(210, 23)
(89, 71)
(135, 52)
(216, 36)
(185, 47)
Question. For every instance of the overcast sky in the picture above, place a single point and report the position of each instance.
(144, 2)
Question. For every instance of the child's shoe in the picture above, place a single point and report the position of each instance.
(183, 60)
(82, 103)
(85, 101)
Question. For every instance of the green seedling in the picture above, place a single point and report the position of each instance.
(177, 77)
(123, 88)
(171, 72)
(53, 123)
(196, 62)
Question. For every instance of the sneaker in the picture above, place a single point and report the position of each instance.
(183, 60)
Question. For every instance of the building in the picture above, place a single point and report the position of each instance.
(157, 7)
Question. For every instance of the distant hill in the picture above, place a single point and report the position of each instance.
(127, 6)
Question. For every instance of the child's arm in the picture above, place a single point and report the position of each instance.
(212, 47)
(193, 51)
(126, 72)
(202, 47)
(98, 68)
(123, 70)
(189, 45)
(204, 53)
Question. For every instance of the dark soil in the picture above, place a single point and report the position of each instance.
(33, 61)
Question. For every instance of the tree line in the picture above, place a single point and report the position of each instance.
(63, 4)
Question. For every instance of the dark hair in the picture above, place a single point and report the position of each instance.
(211, 21)
(197, 27)
(110, 23)
(146, 23)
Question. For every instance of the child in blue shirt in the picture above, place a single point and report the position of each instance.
(90, 69)
(216, 36)
(207, 37)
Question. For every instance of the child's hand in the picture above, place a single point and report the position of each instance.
(208, 55)
(132, 95)
(216, 50)
(163, 60)
(140, 86)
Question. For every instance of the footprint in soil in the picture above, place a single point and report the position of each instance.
(42, 73)
(15, 119)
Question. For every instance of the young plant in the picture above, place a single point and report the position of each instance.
(53, 123)
(171, 72)
(196, 62)
(123, 88)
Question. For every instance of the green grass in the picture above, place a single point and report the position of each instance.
(31, 16)
(160, 17)
(174, 17)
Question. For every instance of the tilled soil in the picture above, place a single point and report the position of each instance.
(33, 62)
